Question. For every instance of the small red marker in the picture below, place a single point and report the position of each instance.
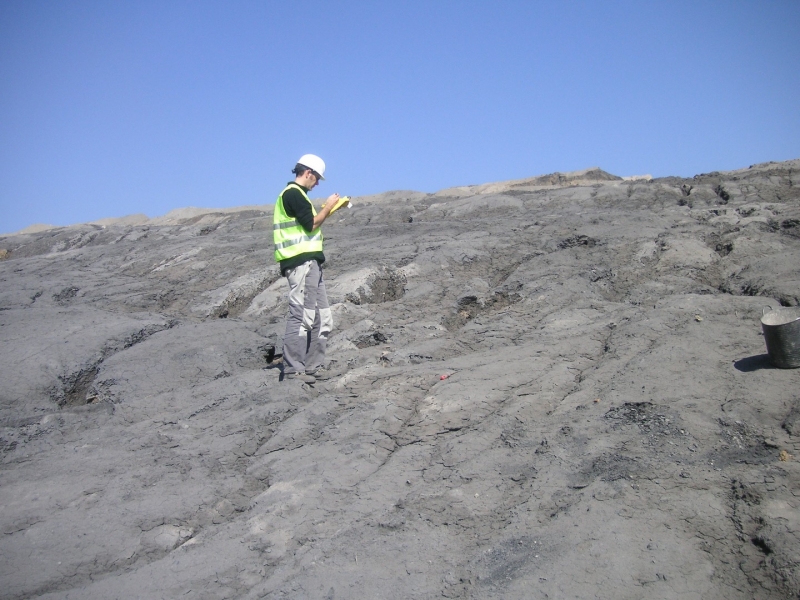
(443, 377)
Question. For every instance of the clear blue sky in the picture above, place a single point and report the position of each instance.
(112, 108)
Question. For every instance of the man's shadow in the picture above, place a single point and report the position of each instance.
(754, 363)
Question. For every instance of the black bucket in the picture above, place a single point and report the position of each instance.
(781, 329)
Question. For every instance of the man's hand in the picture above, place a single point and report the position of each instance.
(326, 210)
(332, 200)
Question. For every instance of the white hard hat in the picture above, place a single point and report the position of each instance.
(313, 162)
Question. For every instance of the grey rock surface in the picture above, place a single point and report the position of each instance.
(547, 388)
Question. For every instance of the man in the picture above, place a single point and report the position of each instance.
(298, 249)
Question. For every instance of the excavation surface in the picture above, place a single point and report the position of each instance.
(549, 388)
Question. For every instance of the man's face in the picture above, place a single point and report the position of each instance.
(310, 179)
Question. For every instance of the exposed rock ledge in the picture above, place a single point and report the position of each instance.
(553, 387)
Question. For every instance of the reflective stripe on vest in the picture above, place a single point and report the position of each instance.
(289, 237)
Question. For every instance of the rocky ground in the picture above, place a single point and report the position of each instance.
(548, 388)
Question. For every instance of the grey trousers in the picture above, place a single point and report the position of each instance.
(309, 321)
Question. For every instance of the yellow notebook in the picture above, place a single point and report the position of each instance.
(343, 201)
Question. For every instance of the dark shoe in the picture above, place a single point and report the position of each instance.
(304, 377)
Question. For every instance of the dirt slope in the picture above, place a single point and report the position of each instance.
(608, 424)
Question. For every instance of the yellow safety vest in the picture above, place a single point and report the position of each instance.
(288, 235)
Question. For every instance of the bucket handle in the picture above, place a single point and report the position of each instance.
(766, 309)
